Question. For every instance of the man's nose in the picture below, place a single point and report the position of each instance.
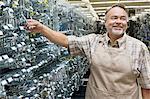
(118, 20)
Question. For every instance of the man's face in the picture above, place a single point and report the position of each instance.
(116, 21)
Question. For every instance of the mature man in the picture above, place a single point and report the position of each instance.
(116, 59)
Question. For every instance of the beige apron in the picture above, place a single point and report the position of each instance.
(111, 75)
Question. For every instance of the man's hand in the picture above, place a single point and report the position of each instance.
(34, 26)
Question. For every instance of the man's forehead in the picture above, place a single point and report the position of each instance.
(120, 5)
(117, 11)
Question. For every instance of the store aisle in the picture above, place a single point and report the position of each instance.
(80, 94)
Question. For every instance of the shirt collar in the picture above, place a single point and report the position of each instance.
(120, 41)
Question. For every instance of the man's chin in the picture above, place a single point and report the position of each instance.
(117, 32)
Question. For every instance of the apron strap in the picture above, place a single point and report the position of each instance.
(92, 47)
(131, 50)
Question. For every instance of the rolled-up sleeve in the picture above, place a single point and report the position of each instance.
(80, 45)
(145, 68)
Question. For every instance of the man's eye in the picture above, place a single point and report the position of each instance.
(123, 18)
(113, 18)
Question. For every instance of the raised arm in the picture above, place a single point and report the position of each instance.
(53, 36)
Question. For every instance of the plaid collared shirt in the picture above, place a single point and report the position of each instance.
(138, 51)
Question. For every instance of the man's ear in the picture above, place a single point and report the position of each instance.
(105, 18)
(127, 19)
